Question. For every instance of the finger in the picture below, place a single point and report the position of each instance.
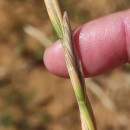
(103, 44)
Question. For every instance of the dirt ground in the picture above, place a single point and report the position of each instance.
(31, 98)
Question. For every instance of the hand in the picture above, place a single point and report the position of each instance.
(103, 45)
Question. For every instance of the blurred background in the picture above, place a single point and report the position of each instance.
(31, 98)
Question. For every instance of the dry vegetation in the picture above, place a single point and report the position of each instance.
(33, 99)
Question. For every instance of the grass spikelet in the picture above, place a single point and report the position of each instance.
(73, 63)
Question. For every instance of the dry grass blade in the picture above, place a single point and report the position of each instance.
(37, 34)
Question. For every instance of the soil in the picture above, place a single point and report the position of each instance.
(31, 98)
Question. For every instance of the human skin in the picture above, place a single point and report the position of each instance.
(103, 44)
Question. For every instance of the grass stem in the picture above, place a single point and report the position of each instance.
(73, 62)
